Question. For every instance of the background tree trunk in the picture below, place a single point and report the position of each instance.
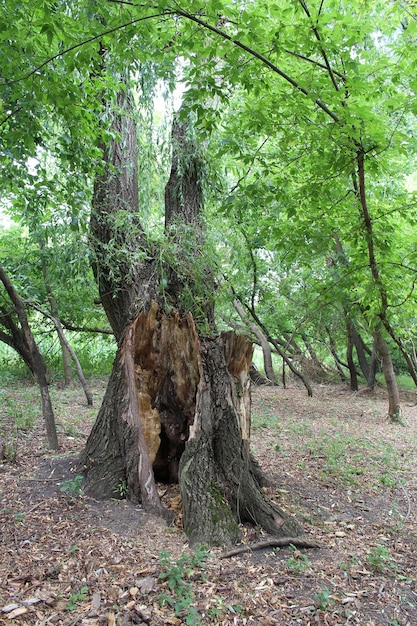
(66, 356)
(338, 363)
(370, 383)
(266, 350)
(69, 350)
(23, 341)
(394, 409)
(349, 357)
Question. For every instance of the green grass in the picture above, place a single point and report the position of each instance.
(346, 458)
(95, 352)
(263, 417)
(406, 382)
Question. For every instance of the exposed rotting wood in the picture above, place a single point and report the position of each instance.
(166, 354)
(149, 492)
(273, 542)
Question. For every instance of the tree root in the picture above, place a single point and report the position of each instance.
(272, 542)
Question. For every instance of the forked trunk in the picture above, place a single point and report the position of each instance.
(176, 406)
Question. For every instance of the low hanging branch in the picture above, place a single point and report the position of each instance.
(281, 353)
(70, 349)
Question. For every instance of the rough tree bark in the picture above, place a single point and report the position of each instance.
(188, 398)
(218, 479)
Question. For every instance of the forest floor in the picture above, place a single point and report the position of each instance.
(333, 461)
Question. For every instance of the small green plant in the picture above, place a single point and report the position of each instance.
(9, 451)
(238, 608)
(181, 594)
(19, 517)
(122, 489)
(298, 562)
(73, 486)
(379, 559)
(25, 418)
(387, 480)
(217, 610)
(264, 418)
(322, 599)
(346, 566)
(70, 430)
(300, 429)
(75, 598)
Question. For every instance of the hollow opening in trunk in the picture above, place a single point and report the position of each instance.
(167, 366)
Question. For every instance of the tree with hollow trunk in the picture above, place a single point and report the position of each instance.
(177, 405)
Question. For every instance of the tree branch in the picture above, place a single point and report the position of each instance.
(70, 349)
(197, 20)
(86, 329)
(313, 62)
(79, 45)
(322, 50)
(258, 149)
(259, 56)
(273, 542)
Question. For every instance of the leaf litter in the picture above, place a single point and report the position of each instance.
(333, 461)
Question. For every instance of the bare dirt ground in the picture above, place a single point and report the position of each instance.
(333, 461)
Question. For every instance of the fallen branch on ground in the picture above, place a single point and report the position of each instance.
(272, 542)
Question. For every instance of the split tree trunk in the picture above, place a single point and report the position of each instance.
(185, 397)
(194, 410)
